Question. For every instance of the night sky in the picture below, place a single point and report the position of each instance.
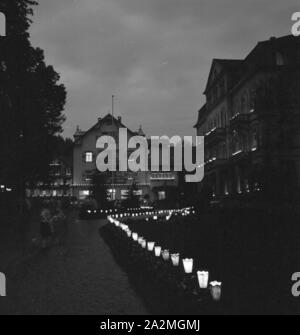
(154, 55)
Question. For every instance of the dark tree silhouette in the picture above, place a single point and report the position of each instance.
(133, 200)
(99, 190)
(31, 101)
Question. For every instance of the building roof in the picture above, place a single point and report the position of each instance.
(201, 114)
(107, 118)
(219, 66)
(261, 56)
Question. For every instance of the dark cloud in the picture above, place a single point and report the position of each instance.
(154, 55)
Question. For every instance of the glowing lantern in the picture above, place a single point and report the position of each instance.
(166, 255)
(155, 218)
(175, 259)
(128, 233)
(135, 236)
(157, 250)
(216, 290)
(150, 246)
(203, 278)
(144, 244)
(188, 264)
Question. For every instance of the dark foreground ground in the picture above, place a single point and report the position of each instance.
(80, 276)
(253, 253)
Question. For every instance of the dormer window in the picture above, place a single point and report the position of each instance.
(279, 59)
(89, 157)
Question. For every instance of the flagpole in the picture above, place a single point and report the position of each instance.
(112, 112)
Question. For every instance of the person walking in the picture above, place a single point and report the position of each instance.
(60, 225)
(46, 227)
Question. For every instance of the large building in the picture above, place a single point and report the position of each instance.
(148, 186)
(251, 123)
(59, 181)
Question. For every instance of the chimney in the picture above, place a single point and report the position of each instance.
(99, 119)
(119, 119)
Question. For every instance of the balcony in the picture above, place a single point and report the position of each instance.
(214, 136)
(240, 121)
(214, 163)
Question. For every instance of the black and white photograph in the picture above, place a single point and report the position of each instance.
(149, 160)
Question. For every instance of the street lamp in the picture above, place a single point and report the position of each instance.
(150, 246)
(188, 264)
(216, 290)
(166, 255)
(203, 278)
(157, 251)
(175, 259)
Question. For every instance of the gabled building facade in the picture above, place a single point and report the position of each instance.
(251, 123)
(148, 186)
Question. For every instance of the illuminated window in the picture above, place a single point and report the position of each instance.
(84, 194)
(88, 157)
(161, 195)
(111, 194)
(124, 194)
(138, 193)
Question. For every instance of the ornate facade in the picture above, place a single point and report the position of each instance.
(251, 123)
(148, 186)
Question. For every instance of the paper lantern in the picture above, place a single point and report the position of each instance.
(166, 255)
(175, 259)
(216, 290)
(188, 264)
(157, 250)
(144, 244)
(203, 278)
(135, 236)
(150, 246)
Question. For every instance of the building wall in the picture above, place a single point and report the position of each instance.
(147, 184)
(253, 130)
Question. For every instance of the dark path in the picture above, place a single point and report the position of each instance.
(79, 277)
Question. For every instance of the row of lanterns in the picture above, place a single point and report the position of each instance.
(155, 214)
(111, 211)
(145, 211)
(188, 263)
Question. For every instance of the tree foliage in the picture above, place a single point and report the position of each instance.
(31, 101)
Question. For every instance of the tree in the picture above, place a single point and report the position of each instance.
(31, 101)
(99, 190)
(133, 200)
